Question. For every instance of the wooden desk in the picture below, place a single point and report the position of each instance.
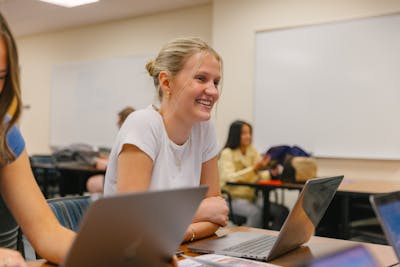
(316, 247)
(319, 246)
(347, 189)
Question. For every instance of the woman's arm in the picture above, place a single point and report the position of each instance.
(249, 174)
(213, 211)
(134, 170)
(30, 209)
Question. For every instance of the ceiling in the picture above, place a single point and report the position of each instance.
(27, 17)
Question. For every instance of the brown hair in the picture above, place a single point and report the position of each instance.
(172, 57)
(11, 91)
(124, 113)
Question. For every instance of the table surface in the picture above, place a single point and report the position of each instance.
(316, 247)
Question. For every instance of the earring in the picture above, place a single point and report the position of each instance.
(168, 94)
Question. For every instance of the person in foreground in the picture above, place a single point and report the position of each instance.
(21, 200)
(240, 161)
(175, 145)
(21, 197)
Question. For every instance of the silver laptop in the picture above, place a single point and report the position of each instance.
(387, 209)
(135, 229)
(298, 228)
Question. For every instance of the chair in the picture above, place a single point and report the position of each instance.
(70, 210)
(46, 174)
(234, 218)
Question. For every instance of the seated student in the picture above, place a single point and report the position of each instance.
(175, 145)
(95, 183)
(239, 161)
(23, 201)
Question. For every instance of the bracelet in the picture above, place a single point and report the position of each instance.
(193, 234)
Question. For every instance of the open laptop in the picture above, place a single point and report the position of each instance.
(135, 229)
(298, 228)
(387, 209)
(354, 256)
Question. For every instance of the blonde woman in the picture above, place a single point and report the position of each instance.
(174, 145)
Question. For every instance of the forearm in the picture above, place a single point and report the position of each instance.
(200, 230)
(214, 210)
(55, 244)
(245, 175)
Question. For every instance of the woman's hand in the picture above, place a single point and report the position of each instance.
(212, 209)
(262, 163)
(11, 258)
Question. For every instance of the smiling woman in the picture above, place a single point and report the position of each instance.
(175, 145)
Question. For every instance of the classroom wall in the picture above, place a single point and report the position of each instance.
(229, 24)
(137, 36)
(235, 23)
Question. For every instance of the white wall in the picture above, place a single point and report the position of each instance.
(138, 36)
(230, 24)
(234, 25)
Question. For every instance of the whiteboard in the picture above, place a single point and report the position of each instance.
(333, 89)
(87, 96)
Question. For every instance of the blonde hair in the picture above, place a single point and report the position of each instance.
(11, 92)
(173, 56)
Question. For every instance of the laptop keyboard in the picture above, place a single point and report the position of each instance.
(259, 245)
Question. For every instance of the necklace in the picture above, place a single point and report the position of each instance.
(180, 151)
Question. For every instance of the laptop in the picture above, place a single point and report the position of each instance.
(387, 209)
(354, 256)
(298, 228)
(135, 229)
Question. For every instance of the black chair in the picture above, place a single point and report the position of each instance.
(46, 174)
(234, 218)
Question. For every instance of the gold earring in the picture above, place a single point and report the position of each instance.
(168, 94)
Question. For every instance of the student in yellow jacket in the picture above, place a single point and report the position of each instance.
(240, 161)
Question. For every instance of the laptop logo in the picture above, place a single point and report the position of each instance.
(131, 251)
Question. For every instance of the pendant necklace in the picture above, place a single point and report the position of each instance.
(179, 153)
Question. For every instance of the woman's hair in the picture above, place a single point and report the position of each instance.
(11, 91)
(235, 131)
(123, 114)
(173, 56)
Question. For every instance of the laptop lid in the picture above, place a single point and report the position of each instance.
(306, 214)
(135, 229)
(387, 209)
(297, 229)
(355, 256)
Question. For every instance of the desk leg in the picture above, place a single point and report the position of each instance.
(345, 227)
(266, 208)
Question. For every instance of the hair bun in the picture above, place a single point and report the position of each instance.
(150, 67)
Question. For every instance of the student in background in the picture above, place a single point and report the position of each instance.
(240, 161)
(175, 145)
(21, 201)
(95, 183)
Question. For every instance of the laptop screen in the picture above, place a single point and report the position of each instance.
(357, 256)
(389, 212)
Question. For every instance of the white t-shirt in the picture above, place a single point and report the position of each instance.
(174, 166)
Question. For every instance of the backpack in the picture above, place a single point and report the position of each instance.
(298, 169)
(279, 153)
